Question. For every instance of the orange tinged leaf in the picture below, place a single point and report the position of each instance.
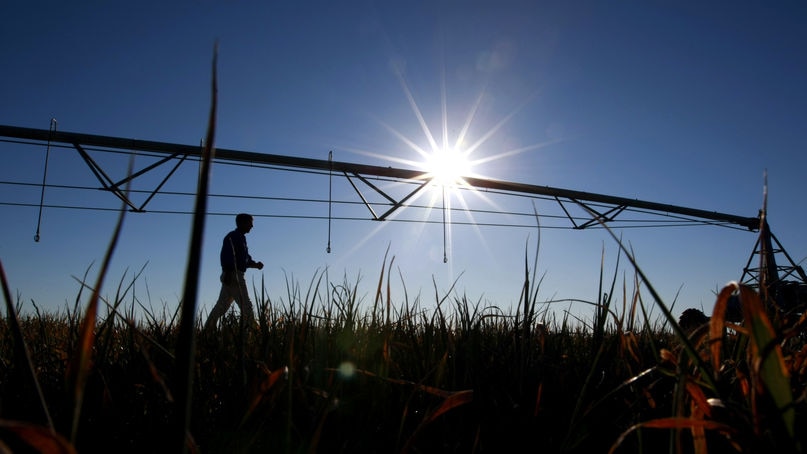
(699, 398)
(717, 324)
(453, 401)
(766, 356)
(685, 423)
(23, 437)
(265, 385)
(674, 423)
(538, 396)
(668, 357)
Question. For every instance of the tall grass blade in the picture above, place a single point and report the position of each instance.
(679, 333)
(717, 326)
(378, 291)
(186, 348)
(80, 367)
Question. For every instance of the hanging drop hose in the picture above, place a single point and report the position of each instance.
(44, 179)
(330, 199)
(445, 255)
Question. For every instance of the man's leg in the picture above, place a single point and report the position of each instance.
(244, 303)
(223, 303)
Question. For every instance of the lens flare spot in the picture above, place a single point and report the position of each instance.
(347, 369)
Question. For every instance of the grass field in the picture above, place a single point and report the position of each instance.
(322, 372)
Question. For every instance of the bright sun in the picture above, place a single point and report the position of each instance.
(447, 166)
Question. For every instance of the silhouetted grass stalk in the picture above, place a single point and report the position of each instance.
(186, 343)
(80, 367)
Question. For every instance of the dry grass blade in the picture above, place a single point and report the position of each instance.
(717, 325)
(676, 423)
(263, 387)
(699, 398)
(452, 401)
(21, 437)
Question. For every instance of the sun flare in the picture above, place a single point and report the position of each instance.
(448, 166)
(450, 156)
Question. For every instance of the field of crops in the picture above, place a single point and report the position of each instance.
(323, 373)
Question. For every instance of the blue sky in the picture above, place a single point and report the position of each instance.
(684, 103)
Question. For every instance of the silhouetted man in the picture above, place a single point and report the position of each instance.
(235, 260)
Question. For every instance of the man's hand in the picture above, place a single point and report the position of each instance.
(259, 265)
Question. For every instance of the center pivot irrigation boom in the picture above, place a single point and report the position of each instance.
(767, 274)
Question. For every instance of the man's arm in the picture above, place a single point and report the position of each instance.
(253, 264)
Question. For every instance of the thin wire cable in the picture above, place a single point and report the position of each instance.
(44, 179)
(692, 223)
(668, 221)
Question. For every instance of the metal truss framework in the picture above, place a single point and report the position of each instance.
(352, 172)
(358, 173)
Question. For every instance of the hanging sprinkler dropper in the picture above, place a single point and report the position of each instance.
(44, 178)
(445, 253)
(330, 192)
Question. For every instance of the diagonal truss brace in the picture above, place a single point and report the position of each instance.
(396, 204)
(115, 187)
(596, 217)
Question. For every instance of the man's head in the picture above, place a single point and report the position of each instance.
(244, 222)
